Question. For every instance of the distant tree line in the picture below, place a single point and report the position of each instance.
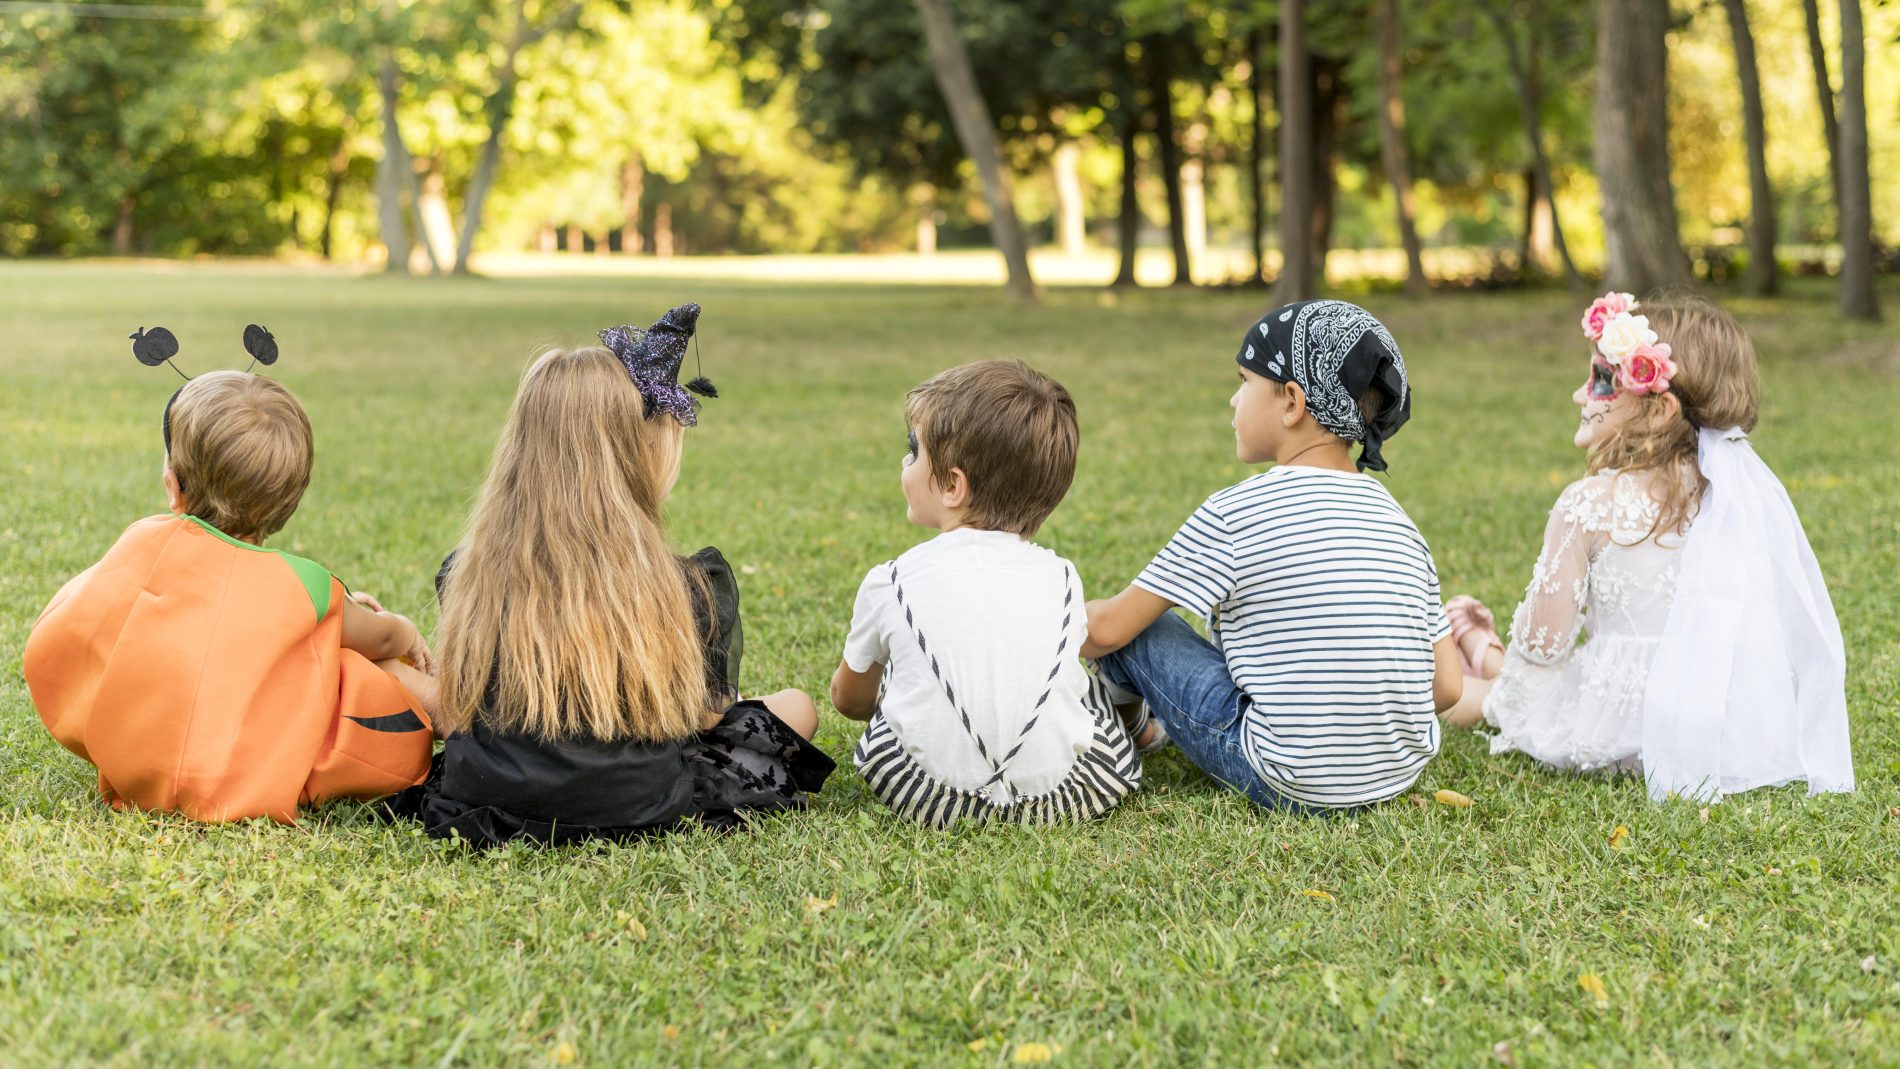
(1650, 139)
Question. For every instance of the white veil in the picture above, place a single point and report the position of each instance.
(1748, 686)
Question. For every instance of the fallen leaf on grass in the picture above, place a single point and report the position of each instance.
(564, 1053)
(1033, 1053)
(1314, 892)
(978, 1046)
(1502, 1052)
(1869, 963)
(1452, 798)
(1620, 838)
(1592, 985)
(671, 1032)
(815, 905)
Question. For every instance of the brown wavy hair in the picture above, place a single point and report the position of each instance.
(564, 613)
(1012, 431)
(1716, 385)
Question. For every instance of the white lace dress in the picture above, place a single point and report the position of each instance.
(1603, 575)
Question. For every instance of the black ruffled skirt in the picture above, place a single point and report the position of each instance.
(487, 789)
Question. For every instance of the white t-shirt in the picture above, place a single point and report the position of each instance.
(1324, 601)
(1002, 623)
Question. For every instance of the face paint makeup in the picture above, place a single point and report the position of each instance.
(1602, 380)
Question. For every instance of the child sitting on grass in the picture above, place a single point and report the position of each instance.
(1713, 661)
(962, 652)
(205, 674)
(1331, 655)
(589, 676)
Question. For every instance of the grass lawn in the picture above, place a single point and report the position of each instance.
(1185, 928)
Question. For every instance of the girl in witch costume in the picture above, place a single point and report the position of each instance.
(206, 674)
(588, 675)
(1676, 622)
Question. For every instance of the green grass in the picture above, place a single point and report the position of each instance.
(1182, 929)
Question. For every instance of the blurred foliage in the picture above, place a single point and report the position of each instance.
(815, 125)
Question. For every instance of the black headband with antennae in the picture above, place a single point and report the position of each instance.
(158, 345)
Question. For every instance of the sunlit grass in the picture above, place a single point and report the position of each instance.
(1179, 930)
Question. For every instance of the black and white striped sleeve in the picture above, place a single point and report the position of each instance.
(1195, 570)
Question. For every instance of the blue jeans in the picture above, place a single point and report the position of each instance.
(1185, 682)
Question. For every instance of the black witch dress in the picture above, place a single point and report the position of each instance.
(488, 787)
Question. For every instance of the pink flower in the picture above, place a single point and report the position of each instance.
(1604, 309)
(1648, 369)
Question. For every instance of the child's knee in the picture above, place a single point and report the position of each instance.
(795, 708)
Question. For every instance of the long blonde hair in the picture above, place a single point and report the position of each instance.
(1716, 385)
(564, 613)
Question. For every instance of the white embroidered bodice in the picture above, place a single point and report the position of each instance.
(1604, 575)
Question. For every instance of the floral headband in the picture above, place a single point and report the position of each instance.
(1639, 361)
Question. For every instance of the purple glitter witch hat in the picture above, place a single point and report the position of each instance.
(653, 357)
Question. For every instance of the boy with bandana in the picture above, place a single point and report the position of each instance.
(1331, 656)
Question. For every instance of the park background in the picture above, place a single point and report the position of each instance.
(862, 193)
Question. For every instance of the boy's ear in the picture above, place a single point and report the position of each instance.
(1295, 405)
(174, 498)
(956, 489)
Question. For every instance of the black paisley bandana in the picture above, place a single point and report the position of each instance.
(1335, 351)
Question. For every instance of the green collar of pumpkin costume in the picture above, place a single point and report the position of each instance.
(314, 577)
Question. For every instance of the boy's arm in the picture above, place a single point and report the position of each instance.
(1448, 674)
(1114, 622)
(854, 694)
(380, 635)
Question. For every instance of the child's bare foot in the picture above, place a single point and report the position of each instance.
(1143, 727)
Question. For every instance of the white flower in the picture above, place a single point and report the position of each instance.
(1624, 335)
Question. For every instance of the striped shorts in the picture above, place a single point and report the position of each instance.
(1108, 771)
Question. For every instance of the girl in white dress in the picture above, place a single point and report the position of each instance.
(1676, 623)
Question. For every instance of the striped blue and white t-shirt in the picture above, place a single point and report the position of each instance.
(1324, 600)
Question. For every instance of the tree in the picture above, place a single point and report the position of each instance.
(1641, 236)
(1297, 282)
(1523, 67)
(1392, 148)
(971, 116)
(1857, 213)
(1760, 279)
(1256, 151)
(1161, 99)
(523, 32)
(1824, 94)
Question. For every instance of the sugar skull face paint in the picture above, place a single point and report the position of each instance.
(1602, 384)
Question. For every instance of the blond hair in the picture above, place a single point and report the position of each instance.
(241, 450)
(564, 613)
(1716, 385)
(1010, 428)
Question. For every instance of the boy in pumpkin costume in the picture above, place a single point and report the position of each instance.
(205, 674)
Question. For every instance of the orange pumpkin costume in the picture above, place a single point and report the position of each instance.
(207, 676)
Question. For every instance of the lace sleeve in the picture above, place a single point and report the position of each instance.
(1547, 621)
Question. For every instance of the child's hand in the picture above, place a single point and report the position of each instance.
(418, 653)
(367, 601)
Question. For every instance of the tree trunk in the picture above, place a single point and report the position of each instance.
(432, 209)
(1071, 225)
(571, 239)
(1296, 144)
(332, 189)
(633, 182)
(1392, 149)
(1535, 251)
(122, 225)
(1128, 223)
(1643, 241)
(1328, 98)
(1256, 151)
(1161, 99)
(1523, 66)
(950, 63)
(663, 229)
(1760, 279)
(1824, 93)
(1857, 211)
(1194, 192)
(390, 175)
